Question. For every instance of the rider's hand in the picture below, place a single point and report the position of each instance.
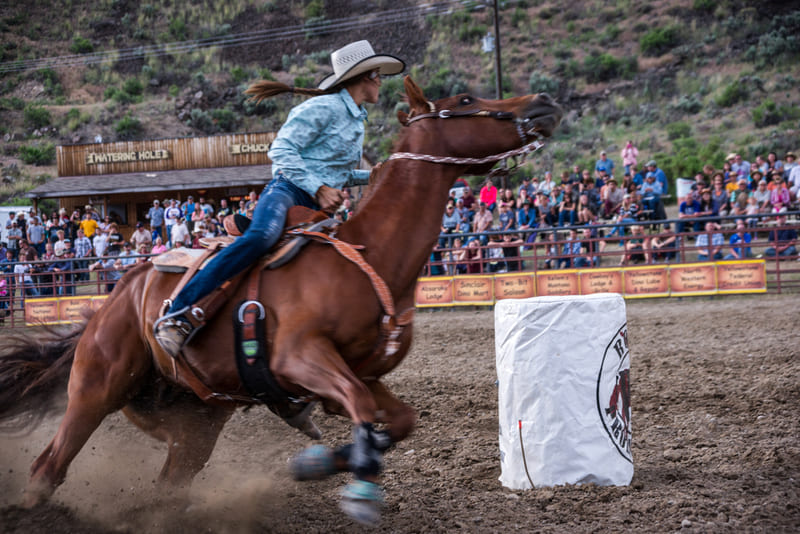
(329, 199)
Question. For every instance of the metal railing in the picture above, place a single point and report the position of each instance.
(532, 248)
(528, 253)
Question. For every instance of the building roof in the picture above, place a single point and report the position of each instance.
(144, 182)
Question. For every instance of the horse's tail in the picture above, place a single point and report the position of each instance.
(34, 370)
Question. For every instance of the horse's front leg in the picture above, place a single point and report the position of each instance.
(313, 363)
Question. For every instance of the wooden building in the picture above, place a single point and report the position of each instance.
(123, 178)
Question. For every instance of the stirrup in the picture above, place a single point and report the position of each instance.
(175, 322)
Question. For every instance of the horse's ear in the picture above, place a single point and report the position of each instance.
(402, 116)
(416, 98)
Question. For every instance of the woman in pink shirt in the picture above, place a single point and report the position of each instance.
(629, 155)
(488, 195)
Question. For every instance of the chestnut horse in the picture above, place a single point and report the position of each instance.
(324, 319)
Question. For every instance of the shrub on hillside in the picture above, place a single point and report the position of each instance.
(81, 45)
(43, 154)
(539, 82)
(133, 86)
(658, 41)
(733, 93)
(36, 116)
(768, 113)
(604, 67)
(690, 104)
(128, 127)
(677, 130)
(779, 42)
(224, 119)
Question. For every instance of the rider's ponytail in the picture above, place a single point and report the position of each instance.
(267, 89)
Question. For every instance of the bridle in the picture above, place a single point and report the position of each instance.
(524, 132)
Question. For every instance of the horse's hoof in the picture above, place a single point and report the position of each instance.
(304, 423)
(362, 501)
(35, 494)
(314, 463)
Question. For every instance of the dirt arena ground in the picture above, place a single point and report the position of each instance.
(715, 397)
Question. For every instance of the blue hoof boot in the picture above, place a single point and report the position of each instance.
(362, 501)
(314, 463)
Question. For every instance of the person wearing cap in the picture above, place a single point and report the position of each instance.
(172, 214)
(740, 166)
(604, 163)
(661, 176)
(141, 236)
(650, 192)
(315, 153)
(13, 238)
(156, 217)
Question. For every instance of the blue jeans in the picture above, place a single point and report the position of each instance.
(263, 232)
(791, 251)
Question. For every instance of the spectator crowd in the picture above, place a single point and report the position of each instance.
(604, 207)
(49, 255)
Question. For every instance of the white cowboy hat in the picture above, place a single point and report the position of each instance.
(357, 58)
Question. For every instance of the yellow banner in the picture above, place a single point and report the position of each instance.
(651, 281)
(693, 279)
(473, 290)
(742, 277)
(601, 281)
(514, 286)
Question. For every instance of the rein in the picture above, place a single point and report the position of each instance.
(524, 135)
(521, 151)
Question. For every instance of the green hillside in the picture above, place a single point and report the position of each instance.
(688, 80)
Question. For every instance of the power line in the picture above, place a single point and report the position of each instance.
(382, 18)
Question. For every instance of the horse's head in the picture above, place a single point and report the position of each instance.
(467, 126)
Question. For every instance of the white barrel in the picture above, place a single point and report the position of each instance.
(563, 370)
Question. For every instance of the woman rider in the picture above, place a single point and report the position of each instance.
(314, 155)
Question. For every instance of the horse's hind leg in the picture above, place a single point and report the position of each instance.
(187, 425)
(105, 373)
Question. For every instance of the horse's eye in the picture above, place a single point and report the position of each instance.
(466, 100)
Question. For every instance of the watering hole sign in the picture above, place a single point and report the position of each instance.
(563, 370)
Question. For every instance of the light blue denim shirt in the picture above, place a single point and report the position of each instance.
(321, 143)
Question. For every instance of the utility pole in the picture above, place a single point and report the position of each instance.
(498, 79)
(497, 69)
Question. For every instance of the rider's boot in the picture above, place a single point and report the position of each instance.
(173, 330)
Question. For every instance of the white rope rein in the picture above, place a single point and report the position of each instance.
(524, 150)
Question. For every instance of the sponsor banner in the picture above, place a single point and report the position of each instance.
(69, 308)
(432, 291)
(693, 279)
(514, 286)
(60, 310)
(742, 276)
(41, 311)
(473, 290)
(557, 283)
(601, 281)
(650, 281)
